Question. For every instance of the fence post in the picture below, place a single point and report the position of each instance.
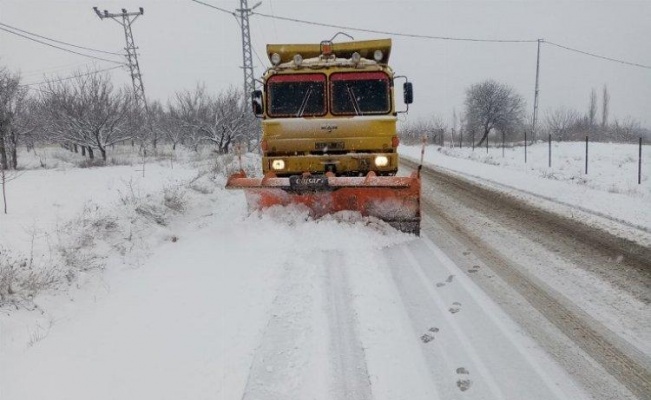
(639, 164)
(502, 144)
(486, 144)
(525, 147)
(460, 138)
(473, 141)
(586, 155)
(550, 150)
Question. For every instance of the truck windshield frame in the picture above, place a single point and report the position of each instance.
(296, 95)
(360, 93)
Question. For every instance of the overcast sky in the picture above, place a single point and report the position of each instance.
(182, 43)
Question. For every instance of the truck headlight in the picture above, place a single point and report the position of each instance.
(381, 161)
(277, 165)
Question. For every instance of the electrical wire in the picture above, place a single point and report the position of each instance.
(252, 47)
(50, 70)
(59, 41)
(459, 39)
(215, 7)
(71, 77)
(597, 55)
(236, 20)
(301, 21)
(61, 48)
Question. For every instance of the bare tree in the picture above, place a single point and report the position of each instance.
(24, 126)
(592, 109)
(6, 176)
(626, 130)
(11, 94)
(430, 129)
(89, 112)
(493, 106)
(604, 107)
(561, 122)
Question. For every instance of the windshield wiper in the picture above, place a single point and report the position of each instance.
(303, 106)
(351, 94)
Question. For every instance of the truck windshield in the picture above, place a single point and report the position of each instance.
(359, 93)
(300, 95)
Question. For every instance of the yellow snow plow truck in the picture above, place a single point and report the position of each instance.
(329, 137)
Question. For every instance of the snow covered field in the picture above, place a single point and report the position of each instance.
(162, 287)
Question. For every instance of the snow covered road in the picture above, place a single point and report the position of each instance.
(276, 306)
(227, 315)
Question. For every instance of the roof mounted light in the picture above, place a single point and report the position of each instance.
(298, 60)
(275, 58)
(355, 57)
(326, 48)
(378, 55)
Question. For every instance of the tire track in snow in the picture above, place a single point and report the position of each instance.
(579, 245)
(351, 380)
(282, 359)
(310, 346)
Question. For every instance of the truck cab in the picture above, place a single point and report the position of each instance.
(329, 108)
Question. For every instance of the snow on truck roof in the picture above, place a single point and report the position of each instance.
(365, 48)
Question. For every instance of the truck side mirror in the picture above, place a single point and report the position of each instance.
(408, 92)
(256, 102)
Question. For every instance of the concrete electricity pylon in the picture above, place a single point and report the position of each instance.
(534, 121)
(126, 19)
(247, 59)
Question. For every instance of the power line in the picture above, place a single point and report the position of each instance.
(216, 8)
(598, 56)
(449, 38)
(72, 77)
(58, 41)
(394, 33)
(60, 48)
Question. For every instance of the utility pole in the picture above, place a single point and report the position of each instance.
(247, 59)
(535, 98)
(126, 19)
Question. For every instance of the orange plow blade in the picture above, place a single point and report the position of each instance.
(395, 200)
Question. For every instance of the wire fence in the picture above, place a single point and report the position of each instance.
(626, 162)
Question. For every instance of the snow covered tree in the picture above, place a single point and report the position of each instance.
(221, 120)
(87, 111)
(493, 106)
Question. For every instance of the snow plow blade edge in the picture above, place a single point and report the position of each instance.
(395, 200)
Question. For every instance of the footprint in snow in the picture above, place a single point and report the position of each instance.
(456, 307)
(474, 269)
(428, 337)
(464, 382)
(448, 280)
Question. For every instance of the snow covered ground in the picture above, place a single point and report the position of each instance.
(163, 287)
(608, 193)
